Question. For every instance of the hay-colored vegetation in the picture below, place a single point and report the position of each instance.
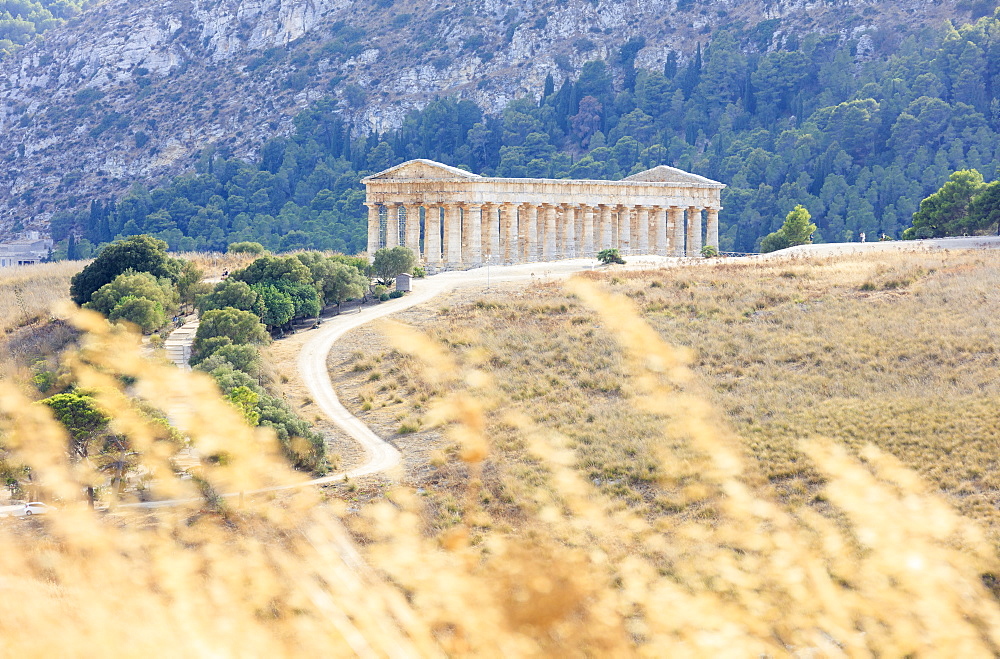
(894, 350)
(28, 293)
(214, 264)
(883, 566)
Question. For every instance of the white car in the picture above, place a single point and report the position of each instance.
(37, 508)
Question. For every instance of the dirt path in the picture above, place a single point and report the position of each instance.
(383, 457)
(379, 456)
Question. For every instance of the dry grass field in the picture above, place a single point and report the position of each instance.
(28, 296)
(28, 293)
(588, 498)
(899, 351)
(213, 264)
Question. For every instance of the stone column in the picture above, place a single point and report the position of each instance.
(549, 250)
(392, 226)
(509, 227)
(642, 225)
(472, 234)
(625, 229)
(587, 248)
(660, 231)
(452, 235)
(531, 233)
(676, 231)
(492, 229)
(607, 239)
(694, 232)
(374, 229)
(412, 232)
(712, 227)
(570, 214)
(432, 236)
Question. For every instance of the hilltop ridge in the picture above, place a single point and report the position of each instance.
(132, 91)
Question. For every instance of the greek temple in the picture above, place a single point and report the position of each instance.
(454, 219)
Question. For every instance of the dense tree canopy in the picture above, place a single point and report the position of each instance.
(797, 230)
(232, 327)
(946, 212)
(82, 418)
(137, 253)
(858, 136)
(392, 261)
(23, 20)
(133, 284)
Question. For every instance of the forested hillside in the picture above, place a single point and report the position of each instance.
(23, 20)
(857, 137)
(134, 90)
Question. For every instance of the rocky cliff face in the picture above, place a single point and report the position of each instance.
(133, 89)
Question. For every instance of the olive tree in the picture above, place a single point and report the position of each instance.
(392, 261)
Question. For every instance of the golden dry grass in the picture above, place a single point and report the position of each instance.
(894, 350)
(213, 264)
(28, 293)
(883, 567)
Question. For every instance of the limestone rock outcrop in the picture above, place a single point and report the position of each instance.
(132, 89)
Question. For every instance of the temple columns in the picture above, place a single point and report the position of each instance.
(642, 224)
(432, 236)
(472, 234)
(374, 229)
(694, 232)
(607, 240)
(587, 248)
(570, 214)
(530, 225)
(549, 249)
(392, 226)
(659, 222)
(676, 225)
(452, 235)
(492, 225)
(712, 227)
(509, 233)
(625, 229)
(462, 235)
(412, 229)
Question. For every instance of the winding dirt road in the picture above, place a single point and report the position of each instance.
(382, 457)
(312, 360)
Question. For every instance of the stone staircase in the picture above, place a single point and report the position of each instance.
(178, 345)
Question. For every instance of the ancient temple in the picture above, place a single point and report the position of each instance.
(456, 219)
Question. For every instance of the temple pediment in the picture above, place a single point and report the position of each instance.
(421, 170)
(665, 174)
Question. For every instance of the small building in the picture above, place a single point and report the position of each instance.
(27, 251)
(404, 283)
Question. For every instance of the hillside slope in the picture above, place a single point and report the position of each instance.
(133, 90)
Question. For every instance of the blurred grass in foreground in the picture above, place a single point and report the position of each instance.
(276, 573)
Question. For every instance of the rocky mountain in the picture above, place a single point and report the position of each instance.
(132, 90)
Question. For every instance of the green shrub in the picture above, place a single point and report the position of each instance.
(246, 247)
(610, 255)
(147, 314)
